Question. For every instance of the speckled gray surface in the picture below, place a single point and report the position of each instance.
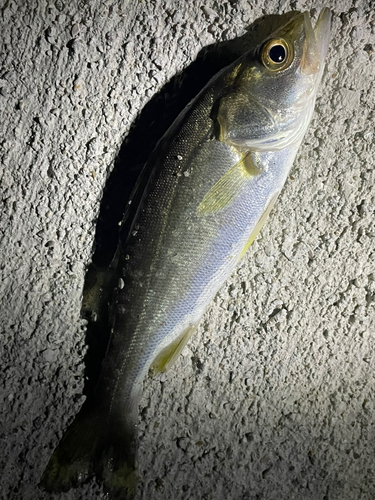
(274, 396)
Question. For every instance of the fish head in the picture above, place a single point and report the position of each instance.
(271, 96)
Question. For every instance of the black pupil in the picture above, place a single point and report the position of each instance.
(277, 54)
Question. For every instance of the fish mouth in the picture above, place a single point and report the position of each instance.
(316, 43)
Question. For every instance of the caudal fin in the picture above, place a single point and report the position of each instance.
(91, 446)
(72, 461)
(117, 467)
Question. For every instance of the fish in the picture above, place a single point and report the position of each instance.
(205, 193)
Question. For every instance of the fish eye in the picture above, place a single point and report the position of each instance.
(276, 54)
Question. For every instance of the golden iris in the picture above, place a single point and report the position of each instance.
(276, 54)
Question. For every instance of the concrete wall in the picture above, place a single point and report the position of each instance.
(274, 396)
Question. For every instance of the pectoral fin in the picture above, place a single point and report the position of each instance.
(227, 187)
(169, 354)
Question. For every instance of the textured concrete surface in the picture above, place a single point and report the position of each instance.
(274, 396)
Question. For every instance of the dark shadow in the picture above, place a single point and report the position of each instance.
(151, 124)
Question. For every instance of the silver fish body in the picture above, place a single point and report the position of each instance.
(211, 183)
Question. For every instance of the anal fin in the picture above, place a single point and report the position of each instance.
(169, 354)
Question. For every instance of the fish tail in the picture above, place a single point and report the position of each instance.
(117, 466)
(91, 445)
(73, 460)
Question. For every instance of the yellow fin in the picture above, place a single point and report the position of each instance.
(225, 190)
(259, 224)
(169, 354)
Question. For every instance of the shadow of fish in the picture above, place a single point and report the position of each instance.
(203, 197)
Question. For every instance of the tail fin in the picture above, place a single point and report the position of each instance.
(117, 466)
(72, 460)
(90, 447)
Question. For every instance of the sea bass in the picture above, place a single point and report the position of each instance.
(208, 188)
